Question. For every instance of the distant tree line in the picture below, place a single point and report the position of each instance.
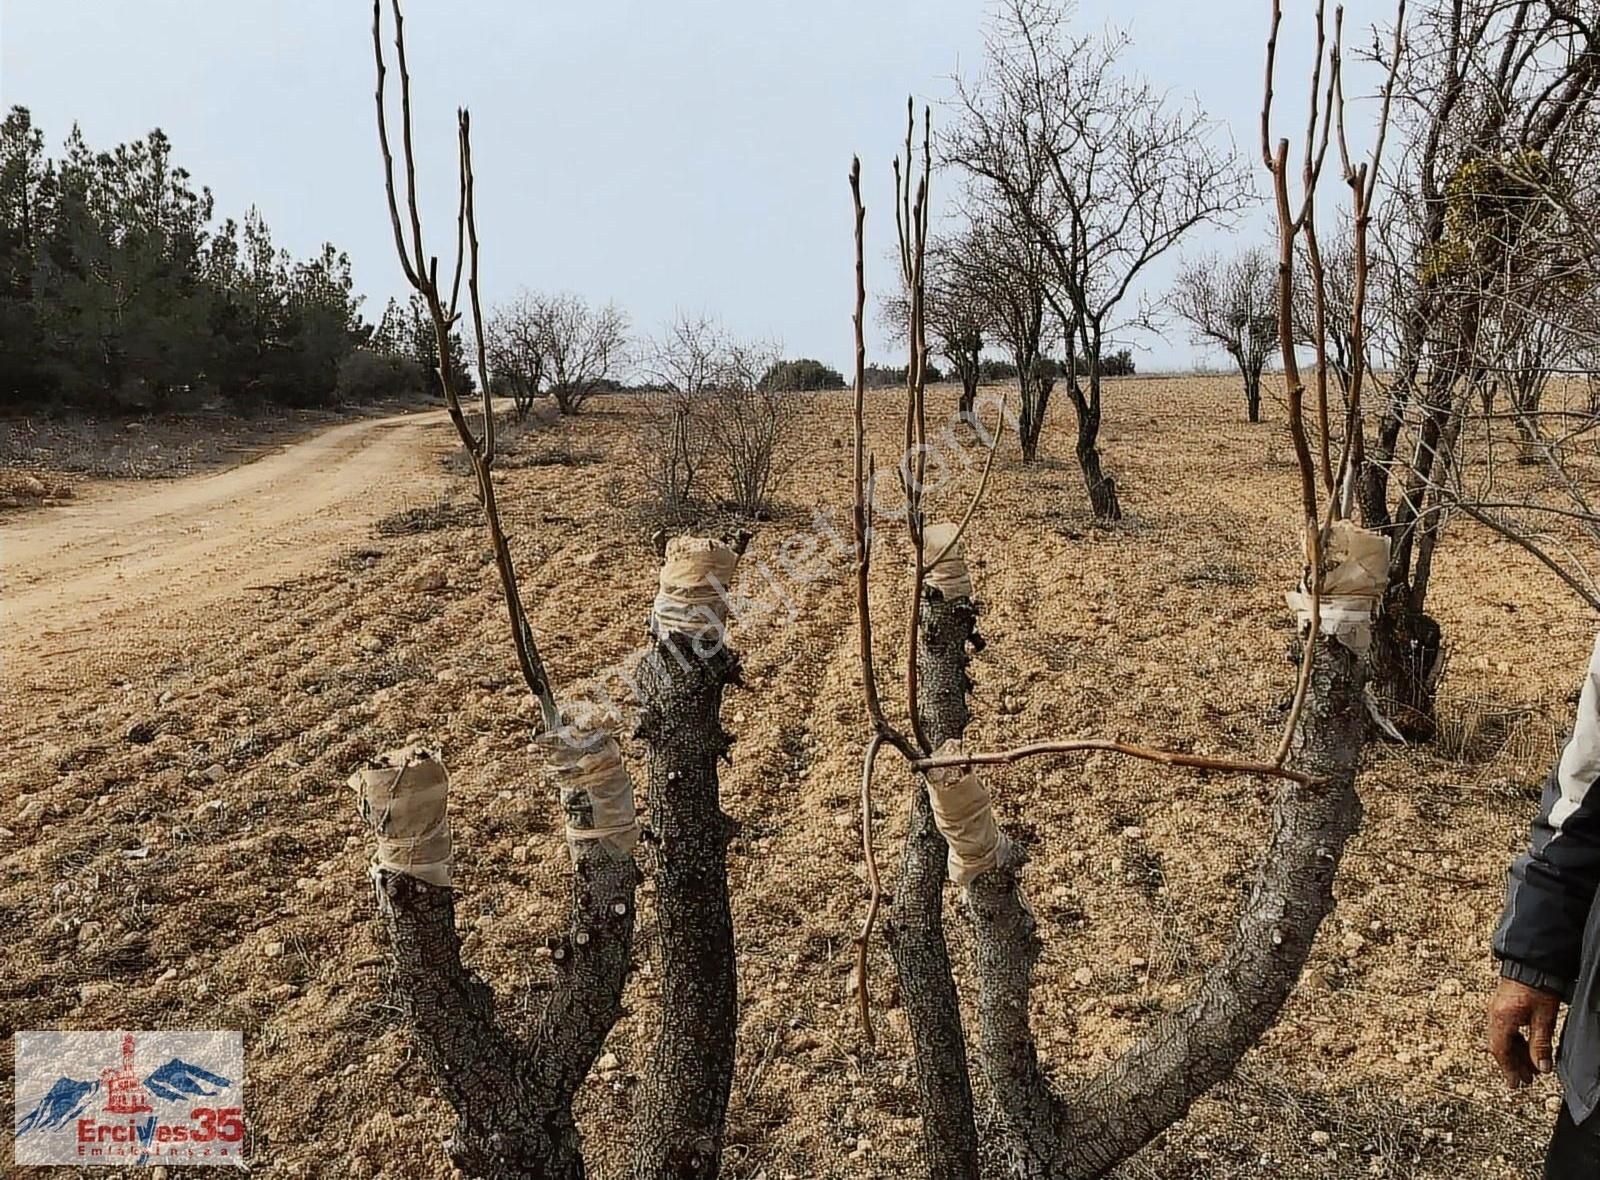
(118, 292)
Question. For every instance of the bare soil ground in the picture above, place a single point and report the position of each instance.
(45, 457)
(180, 850)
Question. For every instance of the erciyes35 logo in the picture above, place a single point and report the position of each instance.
(130, 1098)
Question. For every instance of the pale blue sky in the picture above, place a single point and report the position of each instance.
(676, 154)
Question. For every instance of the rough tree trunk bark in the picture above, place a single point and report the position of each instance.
(915, 926)
(683, 1098)
(1407, 642)
(513, 1101)
(969, 367)
(1154, 1083)
(500, 1131)
(1102, 488)
(1407, 647)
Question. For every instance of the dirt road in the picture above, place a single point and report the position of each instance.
(138, 557)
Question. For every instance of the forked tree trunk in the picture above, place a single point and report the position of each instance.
(513, 1099)
(915, 927)
(1407, 642)
(1035, 389)
(1154, 1083)
(683, 1098)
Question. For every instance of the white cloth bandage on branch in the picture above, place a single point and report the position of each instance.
(693, 595)
(585, 766)
(401, 796)
(949, 576)
(965, 818)
(1356, 566)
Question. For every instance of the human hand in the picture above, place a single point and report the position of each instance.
(1513, 1008)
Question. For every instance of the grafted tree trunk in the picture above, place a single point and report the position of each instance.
(1154, 1083)
(683, 1098)
(915, 927)
(500, 1131)
(513, 1100)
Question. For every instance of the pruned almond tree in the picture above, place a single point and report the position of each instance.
(1099, 171)
(1086, 1128)
(513, 1094)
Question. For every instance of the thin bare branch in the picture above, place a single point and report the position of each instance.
(874, 887)
(977, 495)
(1108, 746)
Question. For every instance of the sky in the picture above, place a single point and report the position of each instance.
(674, 156)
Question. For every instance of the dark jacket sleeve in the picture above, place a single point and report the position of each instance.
(1553, 885)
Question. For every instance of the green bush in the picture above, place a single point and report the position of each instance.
(366, 376)
(802, 376)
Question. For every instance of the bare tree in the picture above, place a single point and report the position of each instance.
(1497, 110)
(1008, 273)
(711, 419)
(512, 1093)
(1104, 1120)
(587, 346)
(959, 317)
(684, 365)
(518, 352)
(1100, 170)
(754, 427)
(1332, 279)
(1234, 305)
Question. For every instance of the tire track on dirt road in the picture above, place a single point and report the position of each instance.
(150, 557)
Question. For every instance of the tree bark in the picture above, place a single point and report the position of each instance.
(1407, 645)
(1406, 657)
(501, 1132)
(1153, 1084)
(513, 1101)
(1252, 395)
(683, 1098)
(1102, 488)
(1035, 388)
(915, 926)
(968, 367)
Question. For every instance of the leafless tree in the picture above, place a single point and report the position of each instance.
(512, 1092)
(1008, 274)
(518, 352)
(587, 347)
(754, 427)
(683, 365)
(1233, 305)
(960, 320)
(1497, 112)
(1096, 167)
(710, 419)
(1102, 1121)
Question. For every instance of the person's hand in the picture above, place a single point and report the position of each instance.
(1514, 1007)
